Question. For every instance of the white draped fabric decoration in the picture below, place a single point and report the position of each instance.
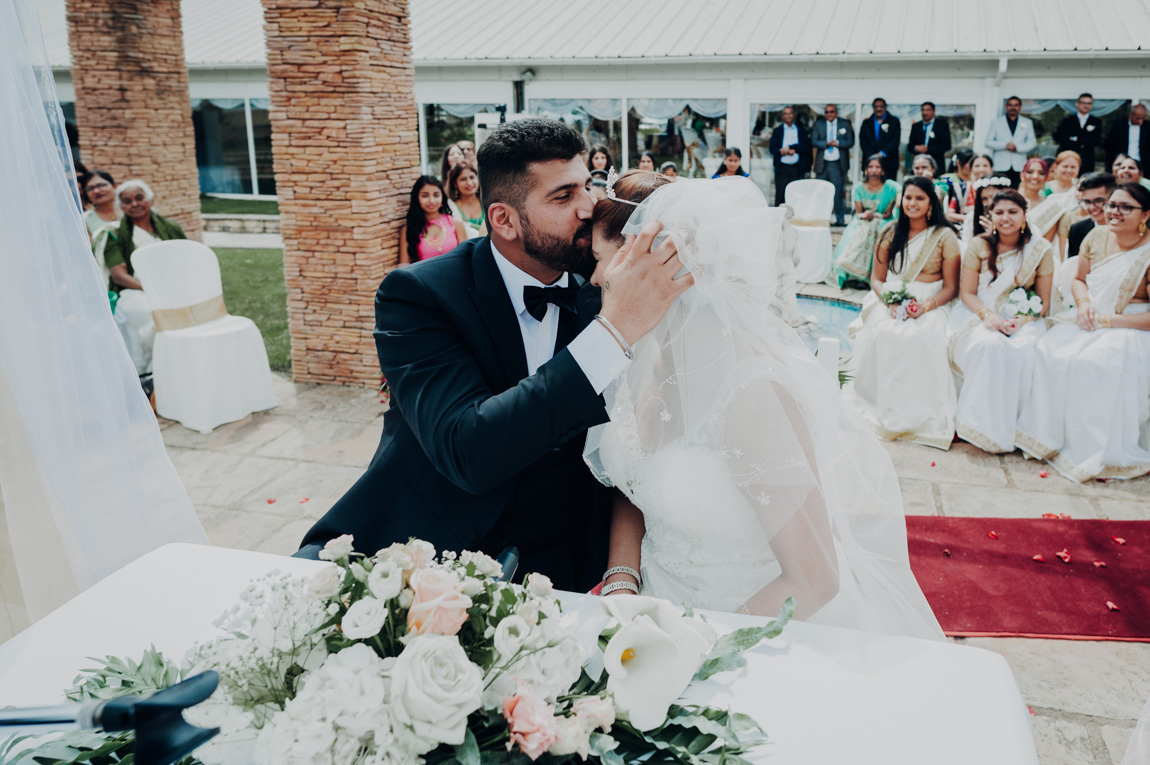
(1102, 106)
(227, 104)
(846, 111)
(910, 113)
(667, 108)
(463, 111)
(87, 486)
(606, 109)
(261, 103)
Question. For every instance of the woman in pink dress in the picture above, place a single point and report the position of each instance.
(430, 229)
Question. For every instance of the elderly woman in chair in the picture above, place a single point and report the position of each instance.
(141, 225)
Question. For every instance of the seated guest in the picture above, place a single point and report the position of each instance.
(982, 166)
(902, 383)
(1033, 181)
(1085, 411)
(463, 193)
(924, 165)
(1047, 218)
(669, 169)
(732, 164)
(1063, 173)
(599, 184)
(647, 161)
(429, 228)
(1093, 191)
(991, 350)
(141, 225)
(957, 185)
(599, 158)
(791, 148)
(1129, 170)
(977, 219)
(99, 189)
(452, 156)
(874, 200)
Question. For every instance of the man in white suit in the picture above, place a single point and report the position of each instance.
(1011, 138)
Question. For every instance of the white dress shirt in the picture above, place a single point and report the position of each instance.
(790, 138)
(1082, 119)
(595, 350)
(927, 129)
(1133, 148)
(832, 135)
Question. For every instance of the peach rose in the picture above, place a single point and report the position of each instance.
(531, 721)
(439, 606)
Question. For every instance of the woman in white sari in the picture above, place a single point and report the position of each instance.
(1049, 218)
(903, 386)
(991, 351)
(1087, 411)
(742, 479)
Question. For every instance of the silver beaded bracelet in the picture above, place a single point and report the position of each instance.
(616, 586)
(623, 570)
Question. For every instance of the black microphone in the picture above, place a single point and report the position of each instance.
(162, 735)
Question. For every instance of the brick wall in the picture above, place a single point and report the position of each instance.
(132, 106)
(346, 145)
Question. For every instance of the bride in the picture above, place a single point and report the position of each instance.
(741, 479)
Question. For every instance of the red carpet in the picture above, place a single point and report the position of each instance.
(981, 586)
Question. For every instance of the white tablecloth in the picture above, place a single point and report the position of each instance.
(824, 695)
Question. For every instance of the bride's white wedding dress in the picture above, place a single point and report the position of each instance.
(731, 439)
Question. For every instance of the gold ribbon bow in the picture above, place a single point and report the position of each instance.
(190, 315)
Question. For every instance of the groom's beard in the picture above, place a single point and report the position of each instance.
(558, 253)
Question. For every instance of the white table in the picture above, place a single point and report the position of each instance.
(824, 695)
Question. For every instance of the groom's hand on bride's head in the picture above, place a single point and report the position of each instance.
(640, 283)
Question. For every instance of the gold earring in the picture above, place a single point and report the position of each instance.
(1142, 227)
(1023, 229)
(994, 230)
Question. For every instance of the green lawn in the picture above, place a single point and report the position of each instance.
(216, 206)
(254, 287)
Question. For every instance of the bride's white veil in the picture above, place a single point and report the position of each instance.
(724, 375)
(85, 483)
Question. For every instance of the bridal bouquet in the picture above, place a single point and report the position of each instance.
(1022, 303)
(404, 658)
(900, 297)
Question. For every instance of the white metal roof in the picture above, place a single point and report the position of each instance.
(227, 33)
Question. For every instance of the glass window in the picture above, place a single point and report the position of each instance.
(69, 109)
(960, 117)
(1048, 114)
(447, 124)
(600, 120)
(222, 146)
(262, 137)
(692, 134)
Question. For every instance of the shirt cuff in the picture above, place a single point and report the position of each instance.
(598, 355)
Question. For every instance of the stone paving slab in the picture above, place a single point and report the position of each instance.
(1085, 695)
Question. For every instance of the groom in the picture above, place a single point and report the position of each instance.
(496, 361)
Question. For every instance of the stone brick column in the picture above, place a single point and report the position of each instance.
(346, 143)
(132, 105)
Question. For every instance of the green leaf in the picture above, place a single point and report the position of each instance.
(726, 654)
(467, 753)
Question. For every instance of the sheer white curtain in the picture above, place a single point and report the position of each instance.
(87, 486)
(606, 109)
(1102, 106)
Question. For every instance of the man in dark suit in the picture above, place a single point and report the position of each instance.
(1093, 191)
(1081, 132)
(833, 138)
(1130, 136)
(880, 134)
(791, 147)
(931, 135)
(496, 361)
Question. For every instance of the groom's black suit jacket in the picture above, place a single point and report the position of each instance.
(476, 455)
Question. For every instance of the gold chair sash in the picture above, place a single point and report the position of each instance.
(810, 223)
(190, 315)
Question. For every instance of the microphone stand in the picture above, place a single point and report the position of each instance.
(162, 735)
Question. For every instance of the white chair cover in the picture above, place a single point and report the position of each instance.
(813, 201)
(207, 374)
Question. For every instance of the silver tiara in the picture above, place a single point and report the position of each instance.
(612, 176)
(982, 183)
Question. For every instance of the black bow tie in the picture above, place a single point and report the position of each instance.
(537, 298)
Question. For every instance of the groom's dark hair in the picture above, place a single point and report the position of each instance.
(506, 154)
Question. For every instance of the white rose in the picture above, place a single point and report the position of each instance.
(595, 712)
(1089, 128)
(472, 586)
(484, 563)
(885, 127)
(359, 571)
(574, 738)
(540, 586)
(651, 659)
(529, 610)
(364, 619)
(510, 635)
(1035, 304)
(422, 553)
(340, 547)
(1018, 295)
(434, 688)
(385, 580)
(1010, 310)
(325, 583)
(405, 598)
(398, 555)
